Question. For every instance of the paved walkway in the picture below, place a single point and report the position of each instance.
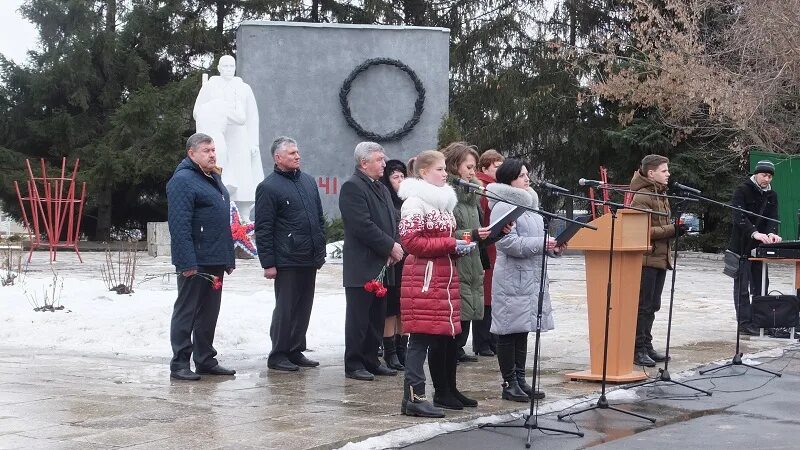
(748, 409)
(66, 399)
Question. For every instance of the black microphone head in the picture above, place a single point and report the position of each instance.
(681, 187)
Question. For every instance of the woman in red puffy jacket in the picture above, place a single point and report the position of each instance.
(429, 296)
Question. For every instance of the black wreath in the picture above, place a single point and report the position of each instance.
(418, 105)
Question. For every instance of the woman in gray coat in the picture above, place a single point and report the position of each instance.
(517, 276)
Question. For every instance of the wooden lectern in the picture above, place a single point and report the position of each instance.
(631, 240)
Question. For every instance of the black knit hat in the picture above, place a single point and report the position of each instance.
(765, 166)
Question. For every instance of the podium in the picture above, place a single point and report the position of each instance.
(631, 240)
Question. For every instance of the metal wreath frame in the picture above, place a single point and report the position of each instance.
(419, 105)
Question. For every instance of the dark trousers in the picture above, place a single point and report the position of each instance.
(482, 338)
(441, 353)
(649, 303)
(512, 353)
(747, 282)
(294, 297)
(461, 338)
(195, 313)
(363, 329)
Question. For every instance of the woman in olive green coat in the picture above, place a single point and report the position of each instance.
(461, 160)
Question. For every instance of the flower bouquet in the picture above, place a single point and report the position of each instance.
(376, 286)
(216, 282)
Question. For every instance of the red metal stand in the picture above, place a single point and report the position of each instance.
(627, 199)
(52, 208)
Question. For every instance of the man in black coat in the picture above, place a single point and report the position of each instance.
(290, 237)
(755, 195)
(370, 243)
(202, 252)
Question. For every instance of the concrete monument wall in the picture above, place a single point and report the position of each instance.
(296, 71)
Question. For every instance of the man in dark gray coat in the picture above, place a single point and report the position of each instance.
(290, 237)
(370, 243)
(202, 252)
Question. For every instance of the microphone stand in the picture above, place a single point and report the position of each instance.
(737, 356)
(602, 402)
(531, 420)
(663, 374)
(650, 194)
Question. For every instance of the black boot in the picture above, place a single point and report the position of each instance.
(641, 358)
(512, 391)
(451, 380)
(505, 358)
(415, 403)
(401, 345)
(442, 396)
(390, 354)
(656, 355)
(521, 381)
(520, 358)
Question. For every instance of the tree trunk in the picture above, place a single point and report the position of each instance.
(573, 22)
(111, 16)
(219, 29)
(315, 11)
(103, 230)
(414, 12)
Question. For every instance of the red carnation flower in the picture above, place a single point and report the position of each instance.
(376, 286)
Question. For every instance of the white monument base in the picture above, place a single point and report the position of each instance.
(158, 239)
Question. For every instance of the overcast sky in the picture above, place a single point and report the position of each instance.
(17, 35)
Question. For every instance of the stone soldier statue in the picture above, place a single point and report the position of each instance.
(226, 110)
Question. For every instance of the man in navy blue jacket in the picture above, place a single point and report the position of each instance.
(290, 237)
(202, 252)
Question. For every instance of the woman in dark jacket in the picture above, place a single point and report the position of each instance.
(394, 341)
(484, 343)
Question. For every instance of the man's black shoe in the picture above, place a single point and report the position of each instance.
(486, 352)
(184, 374)
(217, 370)
(302, 361)
(383, 371)
(360, 374)
(284, 365)
(642, 359)
(749, 330)
(657, 356)
(467, 358)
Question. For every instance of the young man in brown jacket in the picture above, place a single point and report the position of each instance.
(652, 178)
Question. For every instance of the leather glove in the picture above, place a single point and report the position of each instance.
(681, 229)
(464, 247)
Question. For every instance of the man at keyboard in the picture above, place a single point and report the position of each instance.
(755, 195)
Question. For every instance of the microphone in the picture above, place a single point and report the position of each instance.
(552, 187)
(681, 187)
(458, 182)
(590, 183)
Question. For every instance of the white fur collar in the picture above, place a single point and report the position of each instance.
(443, 198)
(525, 197)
